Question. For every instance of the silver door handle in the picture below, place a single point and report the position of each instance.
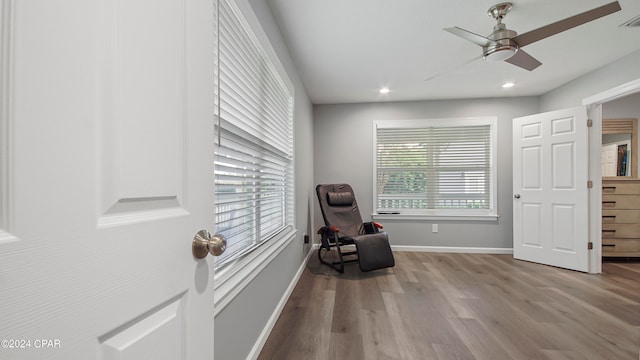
(204, 243)
(517, 196)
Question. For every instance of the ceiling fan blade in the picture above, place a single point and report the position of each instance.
(468, 35)
(524, 60)
(566, 24)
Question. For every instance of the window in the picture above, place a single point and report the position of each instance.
(435, 167)
(254, 144)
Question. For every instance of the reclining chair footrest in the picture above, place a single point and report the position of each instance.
(374, 252)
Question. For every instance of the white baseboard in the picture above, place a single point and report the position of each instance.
(264, 335)
(453, 249)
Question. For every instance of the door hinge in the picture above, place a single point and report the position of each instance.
(589, 184)
(589, 245)
(589, 123)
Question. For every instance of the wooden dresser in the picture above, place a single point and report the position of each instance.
(621, 218)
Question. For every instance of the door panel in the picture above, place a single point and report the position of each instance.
(550, 188)
(144, 67)
(158, 335)
(563, 216)
(531, 175)
(531, 231)
(107, 138)
(562, 156)
(562, 126)
(142, 145)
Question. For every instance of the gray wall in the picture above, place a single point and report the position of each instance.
(238, 326)
(607, 77)
(626, 107)
(343, 141)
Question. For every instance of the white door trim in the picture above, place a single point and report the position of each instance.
(594, 110)
(613, 93)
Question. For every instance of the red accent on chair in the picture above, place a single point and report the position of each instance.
(331, 228)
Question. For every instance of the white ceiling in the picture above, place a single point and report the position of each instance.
(346, 50)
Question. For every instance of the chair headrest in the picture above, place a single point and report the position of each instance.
(339, 198)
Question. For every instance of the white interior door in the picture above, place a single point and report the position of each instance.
(107, 175)
(550, 173)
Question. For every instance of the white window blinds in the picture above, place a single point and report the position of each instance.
(254, 147)
(423, 166)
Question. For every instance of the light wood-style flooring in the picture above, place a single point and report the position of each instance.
(460, 306)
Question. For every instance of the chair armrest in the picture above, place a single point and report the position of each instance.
(328, 229)
(372, 227)
(329, 236)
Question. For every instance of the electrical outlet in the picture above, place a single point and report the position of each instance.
(434, 228)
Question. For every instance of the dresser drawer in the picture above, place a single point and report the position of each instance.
(620, 216)
(620, 247)
(621, 188)
(621, 231)
(620, 202)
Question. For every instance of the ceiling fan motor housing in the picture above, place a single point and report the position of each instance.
(502, 47)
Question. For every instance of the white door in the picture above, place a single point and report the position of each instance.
(609, 159)
(107, 175)
(550, 205)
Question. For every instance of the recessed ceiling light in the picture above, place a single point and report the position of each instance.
(384, 90)
(508, 85)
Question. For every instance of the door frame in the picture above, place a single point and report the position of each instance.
(594, 112)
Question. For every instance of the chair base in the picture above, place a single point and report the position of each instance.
(339, 264)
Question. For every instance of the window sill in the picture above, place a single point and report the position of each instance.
(438, 217)
(234, 277)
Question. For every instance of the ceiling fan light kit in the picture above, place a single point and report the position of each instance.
(499, 53)
(504, 44)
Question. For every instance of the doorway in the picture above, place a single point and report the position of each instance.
(600, 106)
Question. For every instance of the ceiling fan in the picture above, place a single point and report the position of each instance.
(505, 44)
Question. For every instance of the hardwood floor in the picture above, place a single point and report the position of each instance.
(460, 306)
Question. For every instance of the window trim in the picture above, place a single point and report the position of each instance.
(232, 278)
(490, 214)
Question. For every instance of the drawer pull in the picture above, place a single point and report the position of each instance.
(608, 201)
(608, 187)
(609, 216)
(609, 230)
(609, 245)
